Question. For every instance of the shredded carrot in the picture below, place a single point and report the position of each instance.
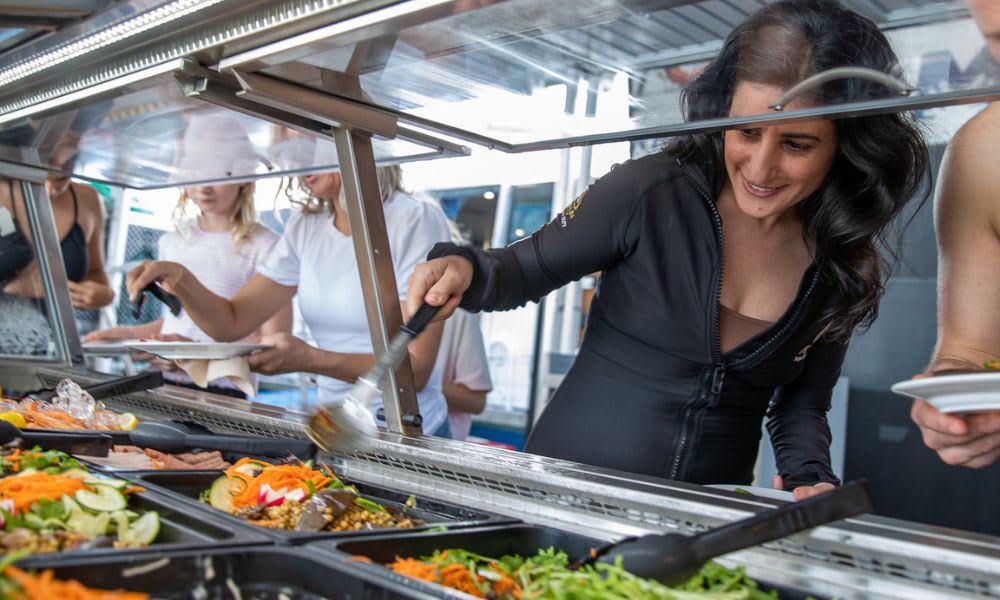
(25, 490)
(44, 586)
(135, 489)
(14, 458)
(457, 576)
(360, 559)
(277, 477)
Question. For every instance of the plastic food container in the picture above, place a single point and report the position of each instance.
(524, 540)
(261, 573)
(189, 485)
(180, 528)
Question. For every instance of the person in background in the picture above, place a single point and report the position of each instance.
(79, 220)
(221, 244)
(465, 371)
(967, 219)
(315, 259)
(735, 265)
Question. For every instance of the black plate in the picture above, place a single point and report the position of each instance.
(180, 528)
(525, 540)
(190, 485)
(261, 573)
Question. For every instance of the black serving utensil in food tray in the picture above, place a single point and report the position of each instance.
(172, 436)
(258, 572)
(371, 555)
(672, 558)
(86, 444)
(191, 485)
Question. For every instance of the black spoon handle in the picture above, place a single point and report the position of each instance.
(846, 501)
(420, 319)
(248, 445)
(126, 385)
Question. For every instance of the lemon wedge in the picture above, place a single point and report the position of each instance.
(127, 420)
(14, 419)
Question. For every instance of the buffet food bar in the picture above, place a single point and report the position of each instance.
(434, 497)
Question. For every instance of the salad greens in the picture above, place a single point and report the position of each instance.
(546, 576)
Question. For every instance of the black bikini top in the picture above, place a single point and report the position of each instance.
(16, 252)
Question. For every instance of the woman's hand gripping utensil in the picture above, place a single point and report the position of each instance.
(346, 425)
(673, 558)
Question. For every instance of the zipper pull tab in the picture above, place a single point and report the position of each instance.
(718, 377)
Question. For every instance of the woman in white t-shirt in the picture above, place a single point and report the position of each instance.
(221, 243)
(465, 371)
(315, 258)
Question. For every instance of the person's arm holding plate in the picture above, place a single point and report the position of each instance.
(967, 219)
(224, 320)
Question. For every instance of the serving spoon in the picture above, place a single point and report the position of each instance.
(673, 558)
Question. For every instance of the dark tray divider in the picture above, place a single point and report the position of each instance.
(189, 485)
(494, 542)
(261, 572)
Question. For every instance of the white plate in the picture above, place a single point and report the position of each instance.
(968, 392)
(763, 492)
(109, 348)
(196, 350)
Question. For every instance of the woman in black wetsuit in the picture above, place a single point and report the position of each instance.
(735, 265)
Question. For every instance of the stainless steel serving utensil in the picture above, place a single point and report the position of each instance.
(347, 425)
(673, 558)
(84, 444)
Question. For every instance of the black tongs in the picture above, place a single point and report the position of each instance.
(673, 558)
(172, 301)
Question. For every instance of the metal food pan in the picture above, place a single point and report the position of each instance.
(189, 485)
(180, 528)
(494, 542)
(260, 572)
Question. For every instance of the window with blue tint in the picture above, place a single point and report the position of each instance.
(531, 207)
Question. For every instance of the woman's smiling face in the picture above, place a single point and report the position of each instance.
(774, 167)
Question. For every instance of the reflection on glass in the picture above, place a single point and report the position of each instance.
(25, 330)
(514, 70)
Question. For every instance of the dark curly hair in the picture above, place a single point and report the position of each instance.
(881, 163)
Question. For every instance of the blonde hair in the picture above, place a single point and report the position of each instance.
(244, 217)
(299, 195)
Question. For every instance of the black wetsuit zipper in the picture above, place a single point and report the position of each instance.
(691, 416)
(711, 387)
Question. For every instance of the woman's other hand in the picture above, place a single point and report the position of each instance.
(439, 282)
(167, 274)
(801, 493)
(289, 354)
(90, 295)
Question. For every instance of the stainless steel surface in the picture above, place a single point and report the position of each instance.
(378, 279)
(867, 557)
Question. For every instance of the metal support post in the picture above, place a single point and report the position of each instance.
(378, 281)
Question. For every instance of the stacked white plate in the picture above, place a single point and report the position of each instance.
(969, 392)
(174, 350)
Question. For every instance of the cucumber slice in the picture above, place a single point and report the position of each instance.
(144, 530)
(220, 495)
(252, 468)
(103, 499)
(92, 526)
(118, 484)
(78, 473)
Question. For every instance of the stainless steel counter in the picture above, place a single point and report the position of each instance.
(869, 557)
